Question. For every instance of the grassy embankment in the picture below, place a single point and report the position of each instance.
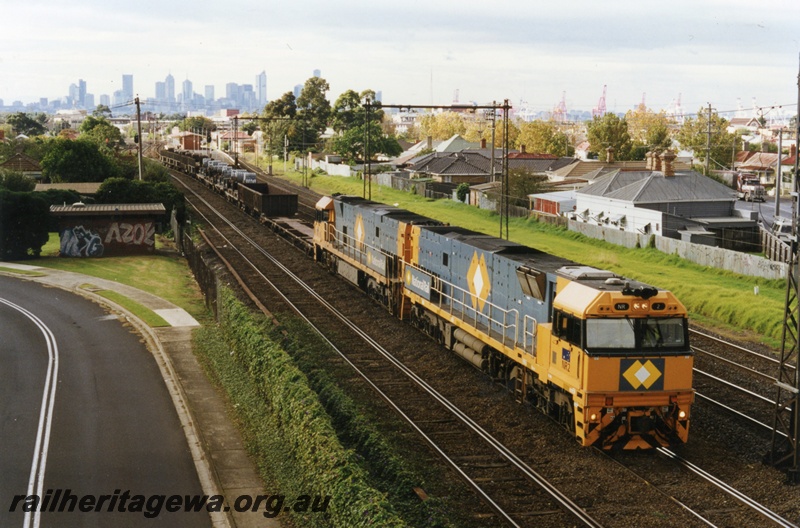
(716, 299)
(164, 274)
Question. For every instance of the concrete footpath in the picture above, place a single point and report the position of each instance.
(216, 446)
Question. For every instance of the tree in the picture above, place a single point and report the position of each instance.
(313, 112)
(693, 135)
(123, 190)
(23, 123)
(76, 161)
(443, 125)
(277, 122)
(349, 117)
(196, 124)
(609, 131)
(350, 144)
(102, 111)
(648, 131)
(100, 131)
(23, 225)
(543, 137)
(16, 181)
(349, 110)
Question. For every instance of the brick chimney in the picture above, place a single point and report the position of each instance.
(430, 142)
(648, 160)
(522, 148)
(483, 143)
(657, 160)
(668, 157)
(610, 155)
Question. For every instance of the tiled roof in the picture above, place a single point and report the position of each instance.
(21, 163)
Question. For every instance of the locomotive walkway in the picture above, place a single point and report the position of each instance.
(222, 463)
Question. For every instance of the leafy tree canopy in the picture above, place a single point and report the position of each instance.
(443, 125)
(543, 137)
(100, 131)
(198, 124)
(351, 143)
(313, 106)
(76, 161)
(609, 131)
(23, 123)
(693, 135)
(349, 110)
(16, 181)
(102, 111)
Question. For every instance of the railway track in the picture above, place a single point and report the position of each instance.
(505, 483)
(734, 378)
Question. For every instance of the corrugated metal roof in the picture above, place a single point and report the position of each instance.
(105, 209)
(653, 187)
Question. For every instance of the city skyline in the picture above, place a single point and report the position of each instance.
(725, 53)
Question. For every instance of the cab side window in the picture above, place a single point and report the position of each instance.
(568, 327)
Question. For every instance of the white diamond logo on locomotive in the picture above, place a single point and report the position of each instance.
(478, 280)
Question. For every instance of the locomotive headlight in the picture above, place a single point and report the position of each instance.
(682, 415)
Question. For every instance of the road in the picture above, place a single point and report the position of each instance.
(113, 428)
(766, 210)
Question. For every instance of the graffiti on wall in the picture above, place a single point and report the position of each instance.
(80, 242)
(111, 238)
(135, 234)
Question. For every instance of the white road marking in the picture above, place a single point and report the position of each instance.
(36, 480)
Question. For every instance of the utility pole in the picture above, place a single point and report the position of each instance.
(778, 175)
(505, 194)
(139, 133)
(708, 142)
(785, 451)
(367, 156)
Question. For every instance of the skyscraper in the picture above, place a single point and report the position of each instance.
(209, 93)
(170, 86)
(317, 74)
(188, 94)
(261, 88)
(127, 86)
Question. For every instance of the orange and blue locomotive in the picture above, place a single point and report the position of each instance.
(606, 356)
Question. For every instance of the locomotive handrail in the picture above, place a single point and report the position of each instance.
(462, 308)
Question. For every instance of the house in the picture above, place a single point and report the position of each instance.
(556, 203)
(663, 201)
(743, 123)
(23, 164)
(762, 164)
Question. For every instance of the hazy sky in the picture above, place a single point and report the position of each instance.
(415, 52)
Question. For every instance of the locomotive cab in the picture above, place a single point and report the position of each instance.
(625, 360)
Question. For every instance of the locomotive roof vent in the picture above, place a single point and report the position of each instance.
(585, 273)
(615, 281)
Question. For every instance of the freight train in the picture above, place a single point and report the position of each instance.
(607, 357)
(238, 186)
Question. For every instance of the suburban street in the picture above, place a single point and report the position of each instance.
(107, 426)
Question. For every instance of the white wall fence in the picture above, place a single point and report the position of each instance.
(734, 261)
